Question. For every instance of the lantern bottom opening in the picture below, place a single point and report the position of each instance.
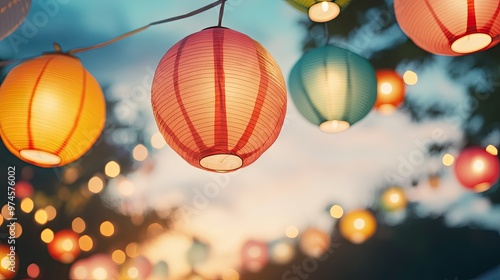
(334, 126)
(471, 43)
(221, 162)
(324, 11)
(482, 187)
(40, 157)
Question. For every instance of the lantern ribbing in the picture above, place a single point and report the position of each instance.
(219, 99)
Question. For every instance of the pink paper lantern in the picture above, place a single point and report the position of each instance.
(477, 169)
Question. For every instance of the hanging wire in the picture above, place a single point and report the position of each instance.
(221, 12)
(130, 33)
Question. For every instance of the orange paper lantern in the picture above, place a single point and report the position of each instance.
(64, 247)
(12, 14)
(450, 27)
(357, 226)
(477, 169)
(219, 99)
(390, 91)
(53, 110)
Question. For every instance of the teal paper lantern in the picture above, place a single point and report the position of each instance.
(333, 88)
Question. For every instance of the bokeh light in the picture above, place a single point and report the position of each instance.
(357, 226)
(140, 152)
(118, 256)
(230, 274)
(95, 184)
(448, 160)
(314, 242)
(282, 252)
(18, 229)
(70, 175)
(410, 78)
(157, 141)
(41, 216)
(6, 213)
(107, 228)
(64, 247)
(492, 150)
(51, 212)
(393, 199)
(27, 205)
(33, 270)
(336, 211)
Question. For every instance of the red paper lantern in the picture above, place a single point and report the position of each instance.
(64, 247)
(477, 169)
(390, 91)
(450, 27)
(219, 99)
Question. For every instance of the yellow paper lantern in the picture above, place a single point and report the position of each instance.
(357, 226)
(53, 110)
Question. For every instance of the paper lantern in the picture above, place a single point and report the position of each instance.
(136, 268)
(96, 267)
(333, 88)
(219, 99)
(390, 91)
(282, 252)
(314, 242)
(357, 226)
(12, 14)
(64, 247)
(53, 110)
(450, 27)
(254, 255)
(477, 169)
(9, 262)
(318, 10)
(393, 199)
